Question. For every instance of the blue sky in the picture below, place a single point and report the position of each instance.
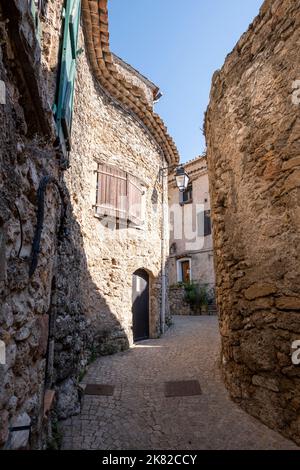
(178, 45)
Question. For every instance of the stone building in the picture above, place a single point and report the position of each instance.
(83, 224)
(191, 247)
(253, 146)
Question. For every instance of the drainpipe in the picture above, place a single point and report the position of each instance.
(163, 252)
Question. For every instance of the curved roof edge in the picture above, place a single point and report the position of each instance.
(95, 17)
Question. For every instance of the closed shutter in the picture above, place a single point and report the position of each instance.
(207, 223)
(200, 223)
(135, 193)
(111, 192)
(119, 195)
(65, 92)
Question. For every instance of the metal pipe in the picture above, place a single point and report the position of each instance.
(163, 253)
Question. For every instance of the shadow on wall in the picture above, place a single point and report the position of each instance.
(46, 320)
(61, 278)
(75, 338)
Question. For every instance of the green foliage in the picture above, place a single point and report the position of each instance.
(176, 286)
(196, 296)
(190, 293)
(203, 296)
(93, 355)
(56, 437)
(81, 375)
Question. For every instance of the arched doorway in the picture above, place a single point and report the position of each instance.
(140, 305)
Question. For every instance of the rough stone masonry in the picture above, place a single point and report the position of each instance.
(77, 303)
(253, 131)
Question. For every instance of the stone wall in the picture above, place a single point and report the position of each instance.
(178, 305)
(77, 303)
(42, 322)
(103, 132)
(253, 131)
(26, 156)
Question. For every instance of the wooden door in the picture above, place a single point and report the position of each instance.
(140, 305)
(185, 266)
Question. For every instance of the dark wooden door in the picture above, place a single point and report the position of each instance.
(140, 305)
(186, 277)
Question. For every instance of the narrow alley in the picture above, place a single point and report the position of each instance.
(139, 416)
(149, 227)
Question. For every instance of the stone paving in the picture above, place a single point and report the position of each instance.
(139, 416)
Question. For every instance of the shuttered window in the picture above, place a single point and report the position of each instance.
(119, 195)
(204, 223)
(207, 223)
(186, 197)
(66, 78)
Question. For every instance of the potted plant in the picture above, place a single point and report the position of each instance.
(191, 295)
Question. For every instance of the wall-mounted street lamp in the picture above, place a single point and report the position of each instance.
(182, 178)
(182, 181)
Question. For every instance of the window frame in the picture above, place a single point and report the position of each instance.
(179, 263)
(128, 220)
(206, 215)
(189, 189)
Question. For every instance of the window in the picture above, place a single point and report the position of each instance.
(186, 197)
(67, 72)
(204, 223)
(184, 272)
(207, 223)
(119, 195)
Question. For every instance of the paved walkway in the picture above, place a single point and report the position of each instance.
(139, 416)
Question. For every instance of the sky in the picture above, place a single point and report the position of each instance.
(178, 44)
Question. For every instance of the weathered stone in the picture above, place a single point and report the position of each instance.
(288, 165)
(269, 384)
(178, 305)
(259, 290)
(12, 404)
(288, 303)
(67, 399)
(6, 316)
(22, 334)
(293, 181)
(4, 425)
(253, 133)
(83, 279)
(20, 439)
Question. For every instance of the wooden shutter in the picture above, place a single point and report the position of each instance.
(135, 193)
(207, 223)
(119, 195)
(111, 192)
(186, 274)
(200, 223)
(65, 92)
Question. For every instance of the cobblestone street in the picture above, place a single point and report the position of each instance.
(139, 416)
